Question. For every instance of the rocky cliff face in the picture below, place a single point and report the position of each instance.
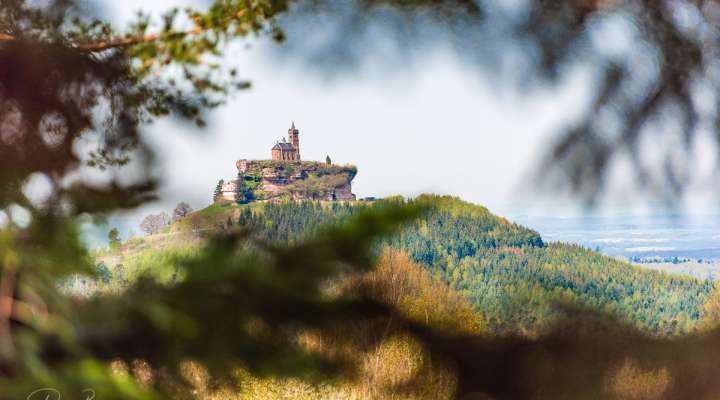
(308, 180)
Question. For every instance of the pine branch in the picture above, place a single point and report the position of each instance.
(133, 40)
(122, 41)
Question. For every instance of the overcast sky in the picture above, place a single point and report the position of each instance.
(431, 126)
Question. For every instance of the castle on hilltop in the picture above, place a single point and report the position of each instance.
(285, 176)
(284, 151)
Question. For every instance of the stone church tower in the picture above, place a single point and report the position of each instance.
(294, 136)
(288, 151)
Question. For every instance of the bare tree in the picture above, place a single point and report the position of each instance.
(153, 223)
(181, 211)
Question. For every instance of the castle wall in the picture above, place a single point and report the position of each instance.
(229, 190)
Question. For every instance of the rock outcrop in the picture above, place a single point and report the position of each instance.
(273, 179)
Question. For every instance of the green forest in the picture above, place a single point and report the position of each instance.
(518, 282)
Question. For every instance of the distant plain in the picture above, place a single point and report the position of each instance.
(673, 243)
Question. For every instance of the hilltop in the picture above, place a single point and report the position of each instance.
(259, 180)
(285, 176)
(506, 271)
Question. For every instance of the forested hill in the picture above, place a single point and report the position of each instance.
(506, 270)
(462, 226)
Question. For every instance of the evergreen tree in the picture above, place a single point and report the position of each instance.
(240, 196)
(328, 161)
(245, 217)
(218, 191)
(243, 193)
(114, 238)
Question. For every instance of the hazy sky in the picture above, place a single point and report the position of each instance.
(431, 126)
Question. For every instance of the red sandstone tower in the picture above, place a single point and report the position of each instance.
(294, 136)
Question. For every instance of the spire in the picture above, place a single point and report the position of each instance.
(293, 125)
